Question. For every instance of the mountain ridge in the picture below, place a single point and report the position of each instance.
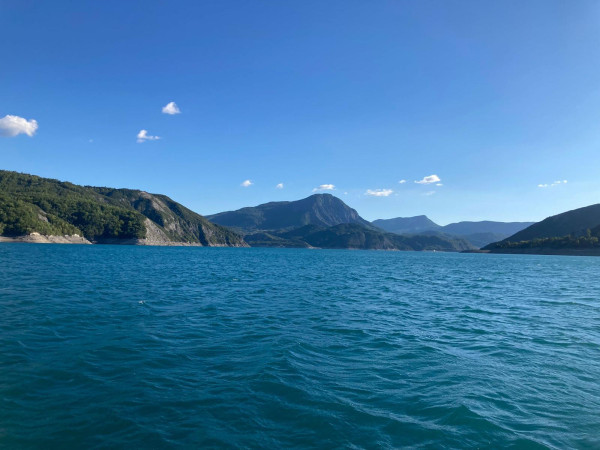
(478, 233)
(317, 209)
(322, 220)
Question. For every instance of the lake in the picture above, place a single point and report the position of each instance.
(162, 347)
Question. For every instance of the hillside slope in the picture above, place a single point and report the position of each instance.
(32, 204)
(575, 232)
(574, 222)
(319, 209)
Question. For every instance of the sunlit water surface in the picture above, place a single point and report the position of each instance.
(118, 346)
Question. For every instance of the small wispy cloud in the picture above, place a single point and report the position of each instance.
(171, 108)
(439, 184)
(143, 136)
(379, 192)
(556, 183)
(11, 126)
(247, 183)
(430, 179)
(429, 193)
(324, 187)
(279, 186)
(402, 181)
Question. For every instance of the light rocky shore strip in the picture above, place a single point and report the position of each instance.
(37, 238)
(155, 237)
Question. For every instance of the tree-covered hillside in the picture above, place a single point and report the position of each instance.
(574, 222)
(590, 239)
(29, 203)
(575, 230)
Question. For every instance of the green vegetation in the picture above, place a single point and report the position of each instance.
(590, 239)
(358, 236)
(30, 203)
(352, 235)
(573, 222)
(572, 231)
(18, 218)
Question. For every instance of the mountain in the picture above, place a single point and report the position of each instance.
(324, 221)
(576, 221)
(319, 209)
(406, 225)
(572, 232)
(477, 233)
(35, 206)
(485, 226)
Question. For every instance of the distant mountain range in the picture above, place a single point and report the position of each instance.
(571, 232)
(36, 209)
(322, 220)
(477, 234)
(55, 211)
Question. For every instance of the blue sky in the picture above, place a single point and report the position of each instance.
(495, 98)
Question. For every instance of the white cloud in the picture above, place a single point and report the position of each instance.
(247, 183)
(556, 183)
(279, 186)
(429, 193)
(402, 181)
(439, 184)
(324, 187)
(171, 109)
(429, 180)
(11, 126)
(143, 136)
(379, 192)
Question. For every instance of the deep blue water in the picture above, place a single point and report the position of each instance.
(117, 346)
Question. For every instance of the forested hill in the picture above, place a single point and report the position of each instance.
(32, 204)
(569, 233)
(576, 222)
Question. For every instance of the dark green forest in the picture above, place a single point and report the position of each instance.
(29, 203)
(587, 240)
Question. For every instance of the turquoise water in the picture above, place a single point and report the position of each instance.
(115, 346)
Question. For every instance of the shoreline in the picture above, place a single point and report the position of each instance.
(36, 238)
(546, 251)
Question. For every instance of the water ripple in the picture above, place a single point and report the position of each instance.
(107, 346)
